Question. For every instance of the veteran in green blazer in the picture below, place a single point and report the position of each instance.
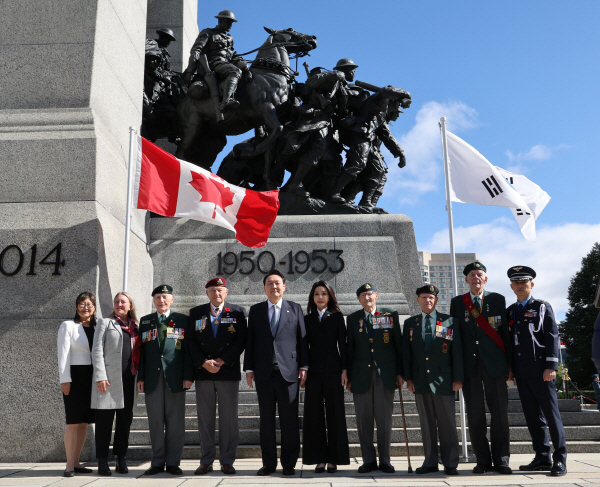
(374, 371)
(165, 374)
(433, 370)
(481, 317)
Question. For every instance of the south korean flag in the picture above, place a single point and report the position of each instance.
(535, 197)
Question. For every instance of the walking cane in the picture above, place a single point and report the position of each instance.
(405, 433)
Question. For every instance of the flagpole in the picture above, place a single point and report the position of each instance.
(132, 158)
(463, 420)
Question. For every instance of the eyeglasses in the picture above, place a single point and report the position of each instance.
(85, 305)
(367, 294)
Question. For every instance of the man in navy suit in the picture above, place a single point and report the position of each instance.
(217, 337)
(276, 359)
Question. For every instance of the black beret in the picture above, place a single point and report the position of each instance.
(216, 281)
(366, 288)
(428, 289)
(521, 273)
(163, 289)
(474, 266)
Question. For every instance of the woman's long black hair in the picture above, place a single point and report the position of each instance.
(332, 305)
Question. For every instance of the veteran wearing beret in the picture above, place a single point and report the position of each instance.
(217, 338)
(374, 372)
(433, 370)
(164, 376)
(534, 334)
(481, 317)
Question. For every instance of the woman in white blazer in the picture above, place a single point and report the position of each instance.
(116, 358)
(74, 344)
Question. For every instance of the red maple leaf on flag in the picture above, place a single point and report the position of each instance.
(212, 191)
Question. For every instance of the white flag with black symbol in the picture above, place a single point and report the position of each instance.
(535, 197)
(473, 179)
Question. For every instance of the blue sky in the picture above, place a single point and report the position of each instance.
(517, 80)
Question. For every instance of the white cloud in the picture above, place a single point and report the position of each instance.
(555, 256)
(538, 152)
(422, 144)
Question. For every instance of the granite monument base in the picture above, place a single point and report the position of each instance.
(346, 250)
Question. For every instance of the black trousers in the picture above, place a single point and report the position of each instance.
(324, 431)
(277, 392)
(496, 397)
(104, 424)
(540, 406)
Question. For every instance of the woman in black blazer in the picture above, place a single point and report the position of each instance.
(324, 396)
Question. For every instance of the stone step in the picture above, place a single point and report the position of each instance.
(251, 409)
(412, 421)
(193, 451)
(248, 396)
(251, 436)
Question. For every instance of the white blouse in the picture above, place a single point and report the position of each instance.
(73, 348)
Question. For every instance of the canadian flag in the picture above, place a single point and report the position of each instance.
(171, 187)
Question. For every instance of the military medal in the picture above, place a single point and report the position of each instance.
(445, 347)
(386, 338)
(231, 329)
(360, 326)
(411, 334)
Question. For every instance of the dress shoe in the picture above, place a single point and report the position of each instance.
(82, 470)
(450, 470)
(154, 470)
(503, 469)
(536, 466)
(227, 468)
(266, 471)
(479, 469)
(558, 469)
(386, 468)
(332, 469)
(424, 470)
(367, 467)
(203, 469)
(103, 468)
(69, 473)
(174, 470)
(289, 471)
(319, 469)
(121, 465)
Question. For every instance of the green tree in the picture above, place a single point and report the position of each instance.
(578, 327)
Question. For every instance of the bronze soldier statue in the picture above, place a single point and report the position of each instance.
(373, 178)
(159, 46)
(217, 45)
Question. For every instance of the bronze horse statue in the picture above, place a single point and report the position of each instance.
(261, 101)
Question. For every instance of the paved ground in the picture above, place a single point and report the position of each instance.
(583, 470)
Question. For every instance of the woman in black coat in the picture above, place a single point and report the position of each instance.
(325, 437)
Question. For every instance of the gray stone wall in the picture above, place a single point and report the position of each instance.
(380, 249)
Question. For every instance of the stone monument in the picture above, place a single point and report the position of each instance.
(71, 77)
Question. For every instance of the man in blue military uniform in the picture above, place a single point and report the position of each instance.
(535, 361)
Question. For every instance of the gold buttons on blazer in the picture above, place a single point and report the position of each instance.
(369, 365)
(428, 372)
(426, 358)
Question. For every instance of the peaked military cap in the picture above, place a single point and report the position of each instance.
(595, 375)
(474, 266)
(521, 273)
(163, 289)
(166, 31)
(428, 289)
(367, 287)
(216, 281)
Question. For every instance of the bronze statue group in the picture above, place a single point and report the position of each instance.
(479, 347)
(302, 128)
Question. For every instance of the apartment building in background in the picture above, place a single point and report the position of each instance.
(437, 269)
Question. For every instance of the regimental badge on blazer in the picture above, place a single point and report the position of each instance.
(178, 344)
(445, 347)
(386, 337)
(231, 329)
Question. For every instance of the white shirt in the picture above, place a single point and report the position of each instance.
(473, 296)
(321, 312)
(275, 307)
(367, 314)
(167, 314)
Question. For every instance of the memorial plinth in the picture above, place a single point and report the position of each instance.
(346, 250)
